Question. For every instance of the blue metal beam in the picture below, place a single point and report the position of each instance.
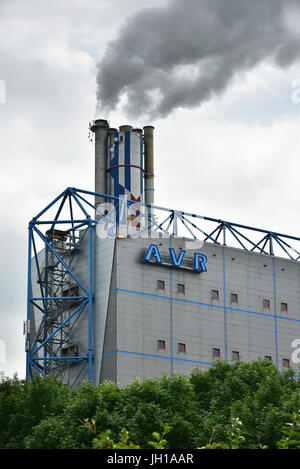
(60, 327)
(90, 300)
(61, 261)
(28, 302)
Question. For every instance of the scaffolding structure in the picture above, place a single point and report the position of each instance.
(63, 298)
(55, 238)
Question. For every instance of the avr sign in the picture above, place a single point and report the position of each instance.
(153, 256)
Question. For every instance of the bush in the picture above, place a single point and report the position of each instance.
(250, 405)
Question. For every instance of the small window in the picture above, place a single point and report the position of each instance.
(268, 358)
(215, 294)
(233, 298)
(235, 355)
(74, 350)
(160, 284)
(285, 363)
(161, 344)
(70, 351)
(181, 347)
(216, 354)
(283, 307)
(266, 303)
(180, 288)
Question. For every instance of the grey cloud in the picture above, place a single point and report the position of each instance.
(151, 60)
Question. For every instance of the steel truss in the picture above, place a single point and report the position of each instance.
(64, 297)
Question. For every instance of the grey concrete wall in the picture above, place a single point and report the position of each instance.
(104, 251)
(145, 314)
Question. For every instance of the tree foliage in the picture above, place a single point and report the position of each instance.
(240, 405)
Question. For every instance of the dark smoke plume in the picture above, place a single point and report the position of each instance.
(183, 54)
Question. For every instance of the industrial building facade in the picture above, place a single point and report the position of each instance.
(116, 297)
(169, 319)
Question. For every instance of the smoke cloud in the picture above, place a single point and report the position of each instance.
(182, 54)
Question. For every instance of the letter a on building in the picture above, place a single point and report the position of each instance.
(153, 252)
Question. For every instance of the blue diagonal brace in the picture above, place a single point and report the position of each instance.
(60, 260)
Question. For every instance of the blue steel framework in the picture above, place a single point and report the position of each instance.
(44, 347)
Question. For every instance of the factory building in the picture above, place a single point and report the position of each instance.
(121, 287)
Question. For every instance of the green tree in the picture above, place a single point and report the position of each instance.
(291, 433)
(23, 405)
(256, 393)
(247, 405)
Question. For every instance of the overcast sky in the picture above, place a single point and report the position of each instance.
(219, 80)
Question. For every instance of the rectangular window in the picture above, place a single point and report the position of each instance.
(215, 294)
(235, 355)
(181, 347)
(160, 284)
(285, 363)
(283, 307)
(216, 354)
(268, 358)
(180, 288)
(70, 351)
(266, 303)
(161, 344)
(74, 350)
(233, 298)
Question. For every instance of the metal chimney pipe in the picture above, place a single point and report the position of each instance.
(125, 128)
(100, 128)
(149, 166)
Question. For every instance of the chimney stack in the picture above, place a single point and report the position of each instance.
(100, 128)
(124, 163)
(149, 166)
